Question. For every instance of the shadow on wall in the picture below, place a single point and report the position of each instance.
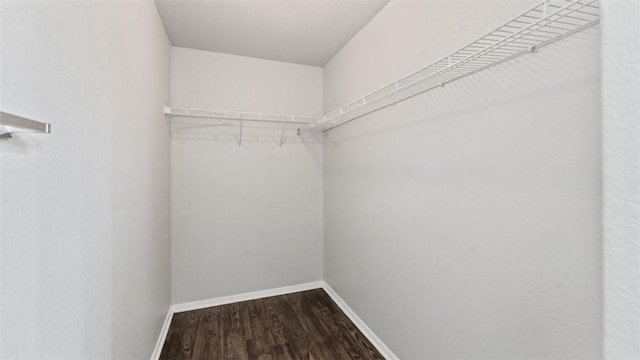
(22, 143)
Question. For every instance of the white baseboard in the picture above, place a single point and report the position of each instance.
(364, 329)
(163, 335)
(201, 304)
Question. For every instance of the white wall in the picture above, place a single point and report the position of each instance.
(84, 210)
(465, 223)
(250, 218)
(621, 170)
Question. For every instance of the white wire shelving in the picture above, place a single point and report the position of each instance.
(188, 119)
(540, 25)
(544, 23)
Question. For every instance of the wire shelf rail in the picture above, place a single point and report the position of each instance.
(238, 116)
(544, 23)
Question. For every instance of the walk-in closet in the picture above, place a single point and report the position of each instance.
(320, 179)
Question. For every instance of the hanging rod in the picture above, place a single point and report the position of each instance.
(544, 23)
(10, 123)
(239, 116)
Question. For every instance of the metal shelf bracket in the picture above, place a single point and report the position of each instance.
(10, 123)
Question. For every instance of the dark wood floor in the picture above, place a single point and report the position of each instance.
(304, 325)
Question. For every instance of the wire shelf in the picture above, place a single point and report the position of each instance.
(239, 124)
(238, 116)
(546, 22)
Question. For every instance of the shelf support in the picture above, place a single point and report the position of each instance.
(282, 135)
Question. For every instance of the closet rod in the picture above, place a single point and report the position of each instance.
(541, 25)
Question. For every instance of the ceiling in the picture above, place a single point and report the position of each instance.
(305, 32)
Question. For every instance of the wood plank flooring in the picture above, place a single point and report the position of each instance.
(303, 325)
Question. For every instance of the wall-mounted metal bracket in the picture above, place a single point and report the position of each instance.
(10, 123)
